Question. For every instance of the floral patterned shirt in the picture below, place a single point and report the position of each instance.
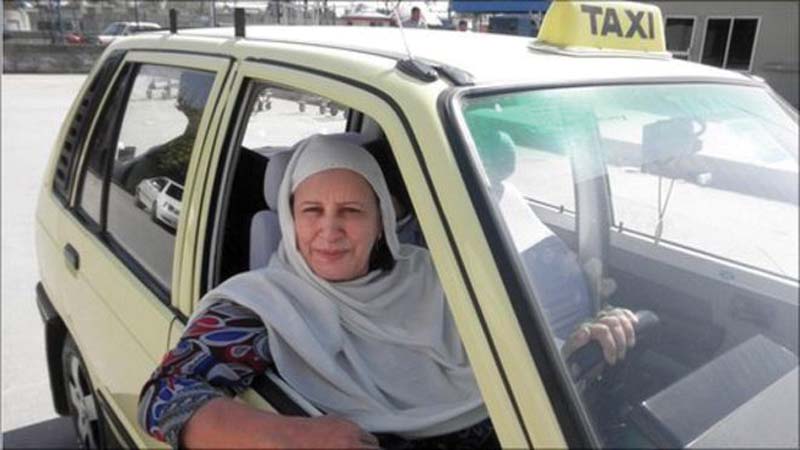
(219, 354)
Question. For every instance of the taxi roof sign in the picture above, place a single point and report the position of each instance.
(605, 28)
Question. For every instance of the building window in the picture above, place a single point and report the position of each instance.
(742, 44)
(679, 34)
(729, 43)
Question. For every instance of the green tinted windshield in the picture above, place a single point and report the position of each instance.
(683, 161)
(678, 202)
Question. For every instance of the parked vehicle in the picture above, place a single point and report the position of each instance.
(147, 191)
(168, 205)
(117, 29)
(161, 197)
(73, 37)
(551, 177)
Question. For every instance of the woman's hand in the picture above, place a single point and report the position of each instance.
(225, 423)
(612, 329)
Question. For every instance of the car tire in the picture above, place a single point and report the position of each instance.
(153, 216)
(83, 407)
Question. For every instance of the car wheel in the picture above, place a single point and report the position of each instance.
(83, 407)
(153, 212)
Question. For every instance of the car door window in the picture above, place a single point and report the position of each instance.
(283, 116)
(150, 152)
(158, 135)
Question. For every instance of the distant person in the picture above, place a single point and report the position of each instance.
(416, 20)
(462, 25)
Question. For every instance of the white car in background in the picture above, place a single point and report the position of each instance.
(168, 205)
(161, 197)
(117, 29)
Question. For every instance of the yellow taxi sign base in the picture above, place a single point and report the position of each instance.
(614, 28)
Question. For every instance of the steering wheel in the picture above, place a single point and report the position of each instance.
(588, 360)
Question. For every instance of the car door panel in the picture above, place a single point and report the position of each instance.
(121, 324)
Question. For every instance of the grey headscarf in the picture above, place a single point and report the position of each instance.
(381, 350)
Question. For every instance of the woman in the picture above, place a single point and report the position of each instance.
(353, 320)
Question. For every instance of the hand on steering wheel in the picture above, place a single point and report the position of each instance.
(613, 329)
(605, 339)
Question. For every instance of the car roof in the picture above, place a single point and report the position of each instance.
(489, 58)
(148, 24)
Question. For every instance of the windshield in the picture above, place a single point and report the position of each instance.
(114, 29)
(175, 192)
(679, 200)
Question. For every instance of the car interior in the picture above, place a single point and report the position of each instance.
(709, 320)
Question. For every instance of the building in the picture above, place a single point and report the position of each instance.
(755, 37)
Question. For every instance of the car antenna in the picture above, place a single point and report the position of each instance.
(173, 21)
(410, 66)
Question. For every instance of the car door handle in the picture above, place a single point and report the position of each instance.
(72, 256)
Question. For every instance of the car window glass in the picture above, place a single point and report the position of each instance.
(114, 28)
(524, 148)
(97, 153)
(701, 241)
(283, 116)
(175, 192)
(156, 138)
(673, 151)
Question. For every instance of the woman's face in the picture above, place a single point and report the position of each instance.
(336, 222)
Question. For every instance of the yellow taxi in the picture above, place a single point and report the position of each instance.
(549, 179)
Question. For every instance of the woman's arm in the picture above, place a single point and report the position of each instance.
(225, 423)
(219, 353)
(184, 403)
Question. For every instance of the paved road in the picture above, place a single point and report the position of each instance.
(33, 108)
